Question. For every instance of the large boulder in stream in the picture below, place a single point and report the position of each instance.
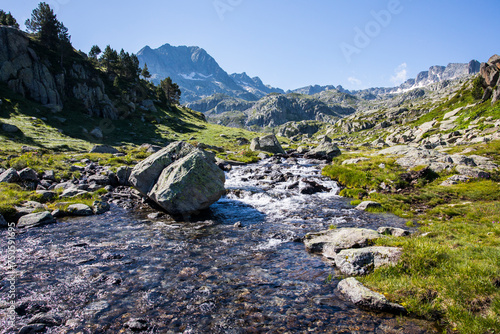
(331, 242)
(180, 178)
(324, 151)
(267, 143)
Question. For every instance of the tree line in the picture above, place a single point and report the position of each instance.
(121, 67)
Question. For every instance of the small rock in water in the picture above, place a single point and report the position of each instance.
(155, 215)
(29, 329)
(79, 210)
(35, 220)
(138, 324)
(368, 205)
(45, 319)
(238, 225)
(100, 207)
(365, 298)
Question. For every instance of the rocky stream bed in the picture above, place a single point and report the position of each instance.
(239, 268)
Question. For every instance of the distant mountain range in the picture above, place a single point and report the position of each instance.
(199, 75)
(241, 101)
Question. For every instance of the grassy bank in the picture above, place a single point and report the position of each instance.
(450, 270)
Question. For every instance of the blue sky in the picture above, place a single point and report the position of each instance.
(293, 43)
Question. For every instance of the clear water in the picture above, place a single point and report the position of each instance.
(210, 276)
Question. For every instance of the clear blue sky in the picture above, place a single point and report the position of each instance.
(292, 43)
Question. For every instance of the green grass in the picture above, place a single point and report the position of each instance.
(72, 135)
(366, 175)
(450, 269)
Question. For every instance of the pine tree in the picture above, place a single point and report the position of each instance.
(109, 59)
(145, 72)
(170, 91)
(95, 51)
(477, 88)
(45, 25)
(6, 19)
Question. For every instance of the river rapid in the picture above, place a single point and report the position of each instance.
(240, 268)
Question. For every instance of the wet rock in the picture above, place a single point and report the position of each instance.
(36, 328)
(267, 143)
(331, 242)
(3, 222)
(365, 298)
(137, 324)
(57, 213)
(9, 176)
(46, 319)
(123, 173)
(263, 155)
(311, 187)
(394, 231)
(79, 210)
(35, 220)
(363, 206)
(324, 151)
(32, 307)
(223, 165)
(100, 207)
(180, 178)
(362, 261)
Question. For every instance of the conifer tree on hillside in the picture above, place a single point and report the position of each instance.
(109, 59)
(6, 19)
(95, 51)
(169, 91)
(45, 25)
(145, 72)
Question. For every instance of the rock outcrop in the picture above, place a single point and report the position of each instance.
(181, 178)
(490, 72)
(26, 72)
(324, 151)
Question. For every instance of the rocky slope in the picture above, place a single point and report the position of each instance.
(275, 109)
(327, 103)
(198, 74)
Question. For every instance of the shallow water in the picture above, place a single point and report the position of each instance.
(210, 276)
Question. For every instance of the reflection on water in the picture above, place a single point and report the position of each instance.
(94, 274)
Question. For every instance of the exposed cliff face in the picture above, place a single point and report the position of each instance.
(22, 70)
(29, 74)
